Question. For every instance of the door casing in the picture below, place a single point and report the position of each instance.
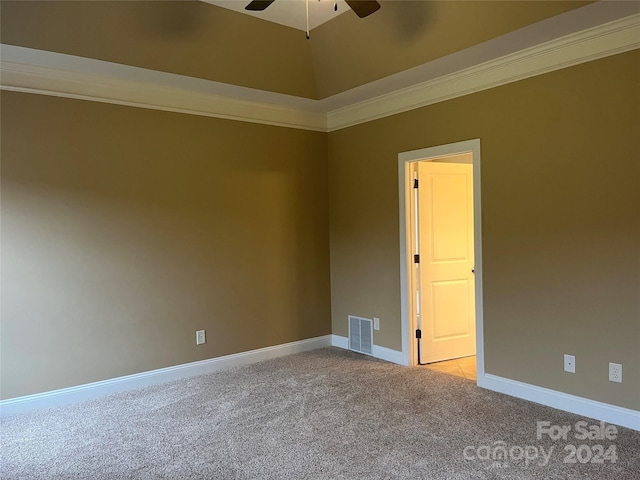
(405, 187)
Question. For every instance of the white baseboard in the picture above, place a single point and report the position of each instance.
(383, 353)
(581, 406)
(340, 342)
(131, 382)
(624, 417)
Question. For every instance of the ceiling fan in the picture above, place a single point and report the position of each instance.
(362, 8)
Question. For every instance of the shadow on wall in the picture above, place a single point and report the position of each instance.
(170, 19)
(406, 24)
(126, 230)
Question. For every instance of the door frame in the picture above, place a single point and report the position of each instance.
(405, 188)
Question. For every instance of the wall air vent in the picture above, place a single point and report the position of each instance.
(360, 334)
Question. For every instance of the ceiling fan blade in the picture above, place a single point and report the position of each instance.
(258, 5)
(363, 8)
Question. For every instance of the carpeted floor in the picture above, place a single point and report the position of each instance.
(326, 414)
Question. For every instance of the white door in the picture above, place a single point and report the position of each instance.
(446, 261)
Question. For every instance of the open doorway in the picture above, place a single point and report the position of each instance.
(441, 259)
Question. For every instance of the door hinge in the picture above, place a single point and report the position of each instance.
(416, 258)
(418, 333)
(415, 183)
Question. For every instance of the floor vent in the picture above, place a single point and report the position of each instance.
(360, 334)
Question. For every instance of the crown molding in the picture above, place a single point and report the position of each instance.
(597, 42)
(48, 73)
(55, 74)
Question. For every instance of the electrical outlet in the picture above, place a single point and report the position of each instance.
(376, 323)
(200, 337)
(615, 372)
(570, 363)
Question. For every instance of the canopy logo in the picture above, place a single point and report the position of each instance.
(502, 455)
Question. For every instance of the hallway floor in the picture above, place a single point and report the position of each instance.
(464, 367)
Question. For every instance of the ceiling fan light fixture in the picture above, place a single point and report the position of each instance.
(362, 8)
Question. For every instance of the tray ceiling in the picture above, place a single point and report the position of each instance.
(205, 41)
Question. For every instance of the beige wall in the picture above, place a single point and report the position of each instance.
(125, 230)
(561, 223)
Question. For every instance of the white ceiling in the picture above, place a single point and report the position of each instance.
(292, 13)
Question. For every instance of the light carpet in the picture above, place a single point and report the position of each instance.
(325, 414)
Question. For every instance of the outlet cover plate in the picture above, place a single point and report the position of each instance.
(376, 323)
(615, 372)
(570, 363)
(200, 337)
